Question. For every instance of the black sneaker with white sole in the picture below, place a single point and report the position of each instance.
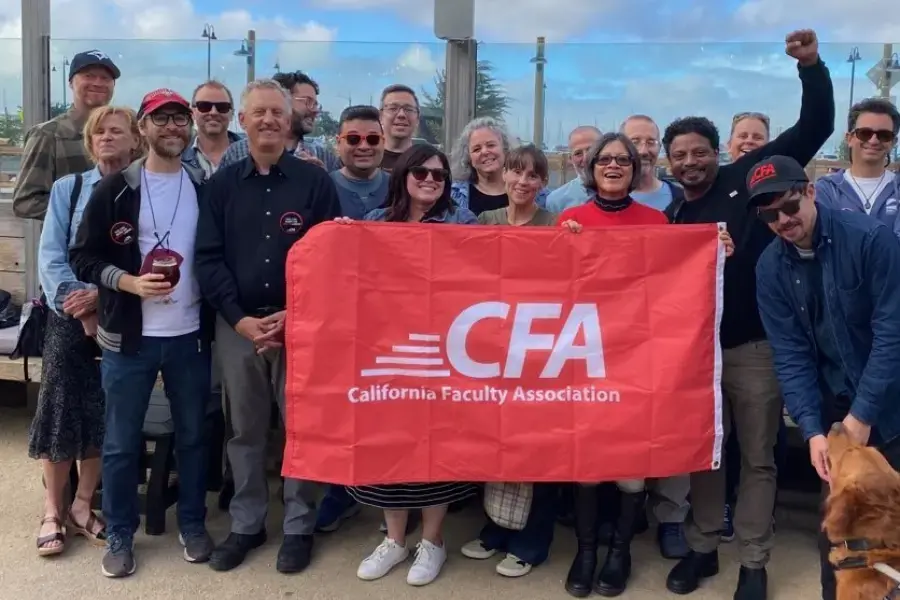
(197, 546)
(118, 560)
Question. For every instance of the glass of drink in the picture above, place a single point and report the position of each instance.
(167, 266)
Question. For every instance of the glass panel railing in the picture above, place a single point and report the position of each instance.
(11, 129)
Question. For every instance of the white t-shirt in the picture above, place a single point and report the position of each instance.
(159, 199)
(868, 188)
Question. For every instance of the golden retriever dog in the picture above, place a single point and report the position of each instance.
(862, 519)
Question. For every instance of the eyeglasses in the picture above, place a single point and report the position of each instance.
(649, 142)
(355, 139)
(421, 174)
(393, 109)
(750, 115)
(205, 107)
(623, 160)
(162, 119)
(311, 103)
(864, 134)
(789, 207)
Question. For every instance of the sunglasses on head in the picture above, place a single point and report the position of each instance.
(750, 115)
(622, 160)
(181, 119)
(355, 139)
(788, 207)
(421, 174)
(205, 107)
(864, 134)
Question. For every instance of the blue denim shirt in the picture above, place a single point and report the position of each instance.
(571, 194)
(459, 193)
(55, 274)
(834, 191)
(860, 261)
(459, 216)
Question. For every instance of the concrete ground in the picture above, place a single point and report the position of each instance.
(793, 572)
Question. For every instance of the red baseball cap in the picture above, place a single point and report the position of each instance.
(159, 98)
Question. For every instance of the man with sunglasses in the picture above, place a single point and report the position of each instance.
(829, 294)
(361, 184)
(868, 186)
(213, 108)
(136, 244)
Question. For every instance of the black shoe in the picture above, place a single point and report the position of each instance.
(616, 570)
(752, 584)
(671, 540)
(294, 554)
(685, 577)
(226, 495)
(580, 580)
(232, 552)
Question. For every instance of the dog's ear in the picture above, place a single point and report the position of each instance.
(841, 510)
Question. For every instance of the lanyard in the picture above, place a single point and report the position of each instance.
(161, 241)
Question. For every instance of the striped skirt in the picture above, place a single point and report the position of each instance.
(411, 496)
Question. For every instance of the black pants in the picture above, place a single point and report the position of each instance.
(891, 452)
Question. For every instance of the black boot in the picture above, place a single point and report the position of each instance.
(617, 567)
(580, 580)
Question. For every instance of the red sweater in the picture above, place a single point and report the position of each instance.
(591, 215)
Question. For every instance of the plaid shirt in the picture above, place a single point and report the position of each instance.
(240, 150)
(52, 150)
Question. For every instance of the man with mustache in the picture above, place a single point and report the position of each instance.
(644, 134)
(829, 295)
(305, 107)
(136, 244)
(56, 148)
(213, 108)
(751, 397)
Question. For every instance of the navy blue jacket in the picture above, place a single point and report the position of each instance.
(860, 260)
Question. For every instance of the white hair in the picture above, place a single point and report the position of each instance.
(265, 84)
(460, 162)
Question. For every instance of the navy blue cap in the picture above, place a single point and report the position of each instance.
(92, 58)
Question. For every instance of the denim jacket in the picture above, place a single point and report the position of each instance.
(55, 274)
(458, 216)
(834, 191)
(459, 193)
(860, 260)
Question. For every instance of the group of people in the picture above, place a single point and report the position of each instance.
(163, 251)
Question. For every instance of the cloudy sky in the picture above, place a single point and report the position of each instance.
(607, 58)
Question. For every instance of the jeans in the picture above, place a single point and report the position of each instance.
(128, 381)
(531, 544)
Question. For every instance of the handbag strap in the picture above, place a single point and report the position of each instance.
(73, 202)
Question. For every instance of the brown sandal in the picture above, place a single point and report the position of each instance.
(95, 539)
(57, 536)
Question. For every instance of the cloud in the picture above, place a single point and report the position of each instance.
(864, 21)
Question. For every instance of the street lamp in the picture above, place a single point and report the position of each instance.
(277, 66)
(248, 50)
(65, 80)
(853, 59)
(209, 34)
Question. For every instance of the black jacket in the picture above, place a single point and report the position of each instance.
(106, 247)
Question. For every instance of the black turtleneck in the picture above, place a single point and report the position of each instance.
(613, 205)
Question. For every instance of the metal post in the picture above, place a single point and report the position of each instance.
(251, 55)
(886, 79)
(540, 93)
(459, 88)
(35, 108)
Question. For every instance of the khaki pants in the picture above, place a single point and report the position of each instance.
(752, 399)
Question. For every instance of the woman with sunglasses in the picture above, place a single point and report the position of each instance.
(749, 131)
(612, 171)
(418, 192)
(478, 157)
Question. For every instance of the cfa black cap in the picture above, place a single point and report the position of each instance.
(774, 175)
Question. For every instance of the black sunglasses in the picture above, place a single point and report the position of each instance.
(355, 139)
(221, 107)
(162, 119)
(788, 207)
(623, 160)
(421, 174)
(864, 134)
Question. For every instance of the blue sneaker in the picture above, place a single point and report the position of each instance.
(337, 506)
(672, 543)
(728, 524)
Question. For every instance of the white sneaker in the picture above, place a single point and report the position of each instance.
(476, 550)
(427, 565)
(513, 566)
(386, 556)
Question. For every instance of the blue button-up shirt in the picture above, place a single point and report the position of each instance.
(460, 216)
(240, 150)
(55, 274)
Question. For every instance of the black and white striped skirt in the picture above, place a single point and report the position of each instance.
(411, 496)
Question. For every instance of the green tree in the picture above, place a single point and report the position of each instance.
(844, 150)
(491, 99)
(326, 125)
(12, 124)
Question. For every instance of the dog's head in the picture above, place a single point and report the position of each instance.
(863, 505)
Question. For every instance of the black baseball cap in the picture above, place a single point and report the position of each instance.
(774, 175)
(92, 58)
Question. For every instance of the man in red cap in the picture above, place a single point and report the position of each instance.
(136, 243)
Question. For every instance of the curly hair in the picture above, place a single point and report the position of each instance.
(461, 164)
(699, 125)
